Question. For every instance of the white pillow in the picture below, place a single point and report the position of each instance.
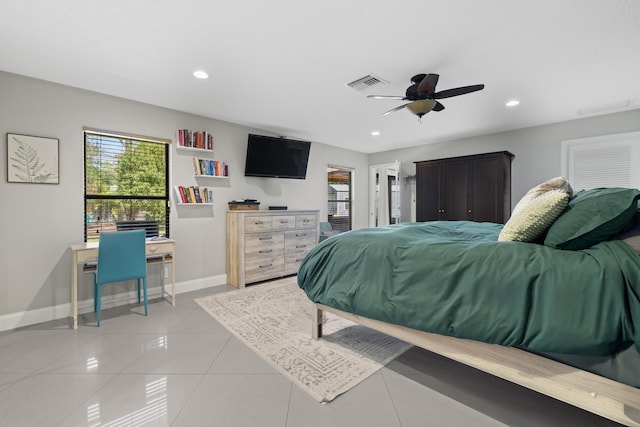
(558, 183)
(534, 217)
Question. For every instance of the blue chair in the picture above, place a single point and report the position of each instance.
(121, 256)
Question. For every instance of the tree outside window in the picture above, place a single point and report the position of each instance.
(126, 180)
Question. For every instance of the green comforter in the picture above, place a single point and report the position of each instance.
(455, 278)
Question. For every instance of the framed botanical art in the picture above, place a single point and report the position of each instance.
(32, 159)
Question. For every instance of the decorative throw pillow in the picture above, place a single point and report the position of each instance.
(593, 216)
(534, 217)
(558, 183)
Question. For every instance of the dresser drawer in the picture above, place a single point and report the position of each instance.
(293, 263)
(305, 221)
(283, 222)
(257, 223)
(296, 246)
(253, 241)
(263, 268)
(294, 237)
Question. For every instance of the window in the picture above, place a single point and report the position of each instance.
(126, 184)
(339, 197)
(602, 161)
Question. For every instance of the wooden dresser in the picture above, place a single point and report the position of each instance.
(264, 244)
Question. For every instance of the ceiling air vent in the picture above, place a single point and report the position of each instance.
(366, 82)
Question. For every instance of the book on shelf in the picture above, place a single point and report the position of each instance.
(193, 194)
(195, 139)
(210, 167)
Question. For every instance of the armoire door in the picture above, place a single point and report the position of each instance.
(428, 181)
(490, 189)
(455, 192)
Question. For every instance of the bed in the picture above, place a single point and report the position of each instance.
(529, 301)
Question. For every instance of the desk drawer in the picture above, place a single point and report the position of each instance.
(87, 255)
(159, 248)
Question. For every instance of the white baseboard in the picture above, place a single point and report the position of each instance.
(60, 311)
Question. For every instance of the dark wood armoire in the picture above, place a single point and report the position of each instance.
(469, 188)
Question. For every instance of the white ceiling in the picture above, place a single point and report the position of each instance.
(283, 65)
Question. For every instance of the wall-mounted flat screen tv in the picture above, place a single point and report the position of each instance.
(273, 157)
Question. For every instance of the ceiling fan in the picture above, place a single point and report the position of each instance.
(423, 96)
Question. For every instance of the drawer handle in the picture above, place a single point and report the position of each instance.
(306, 220)
(259, 222)
(299, 259)
(266, 238)
(267, 265)
(266, 251)
(301, 235)
(301, 246)
(284, 222)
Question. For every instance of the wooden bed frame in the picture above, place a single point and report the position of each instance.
(591, 392)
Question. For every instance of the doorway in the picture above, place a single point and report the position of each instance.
(384, 194)
(340, 197)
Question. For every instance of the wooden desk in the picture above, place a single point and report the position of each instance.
(83, 253)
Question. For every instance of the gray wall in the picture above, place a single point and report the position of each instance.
(537, 149)
(39, 222)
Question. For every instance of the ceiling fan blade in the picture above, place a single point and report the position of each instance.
(418, 78)
(438, 107)
(428, 85)
(385, 97)
(448, 93)
(400, 107)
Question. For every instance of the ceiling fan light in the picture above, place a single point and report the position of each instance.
(421, 106)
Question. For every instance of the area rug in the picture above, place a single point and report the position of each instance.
(274, 320)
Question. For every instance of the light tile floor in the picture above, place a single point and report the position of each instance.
(179, 367)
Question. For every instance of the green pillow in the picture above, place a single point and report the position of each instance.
(593, 216)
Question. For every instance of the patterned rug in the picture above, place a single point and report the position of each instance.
(274, 320)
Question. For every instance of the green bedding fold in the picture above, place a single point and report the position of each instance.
(454, 278)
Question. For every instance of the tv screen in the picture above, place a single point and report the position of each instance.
(273, 157)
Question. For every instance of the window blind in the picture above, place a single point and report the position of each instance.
(603, 161)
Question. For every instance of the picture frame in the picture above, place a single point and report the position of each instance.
(32, 159)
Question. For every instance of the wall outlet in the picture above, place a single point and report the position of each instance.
(166, 272)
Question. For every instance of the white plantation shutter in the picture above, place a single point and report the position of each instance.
(602, 161)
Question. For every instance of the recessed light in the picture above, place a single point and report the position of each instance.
(375, 133)
(200, 74)
(512, 103)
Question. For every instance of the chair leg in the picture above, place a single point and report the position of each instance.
(138, 291)
(144, 280)
(98, 301)
(95, 291)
